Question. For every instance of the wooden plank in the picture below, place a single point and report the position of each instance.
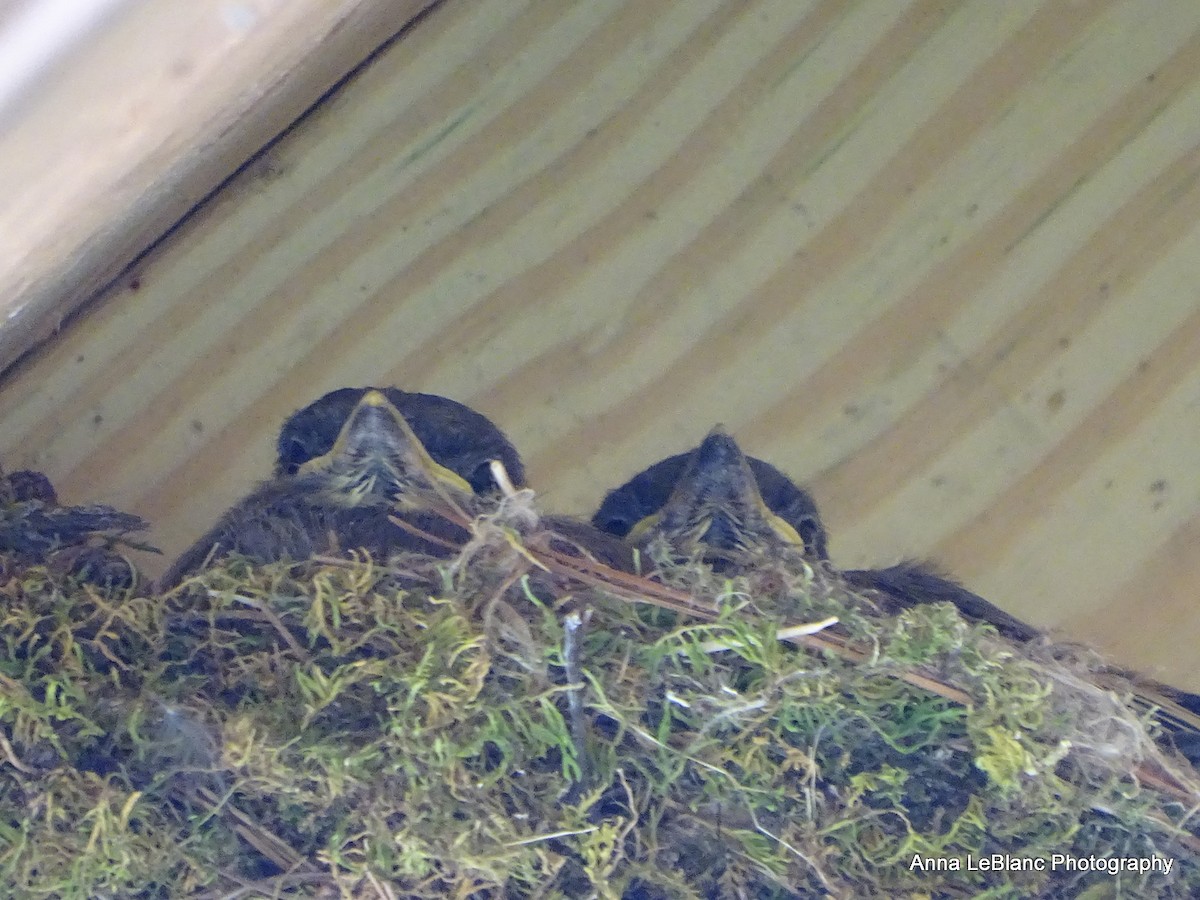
(939, 260)
(122, 134)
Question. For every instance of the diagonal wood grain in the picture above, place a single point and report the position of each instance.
(110, 136)
(939, 260)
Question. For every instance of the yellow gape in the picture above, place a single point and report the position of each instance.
(786, 532)
(638, 531)
(377, 436)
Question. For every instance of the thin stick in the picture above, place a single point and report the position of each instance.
(501, 475)
(425, 535)
(573, 627)
(12, 756)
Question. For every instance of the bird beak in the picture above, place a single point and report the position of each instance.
(376, 436)
(718, 501)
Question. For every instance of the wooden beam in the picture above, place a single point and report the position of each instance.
(122, 132)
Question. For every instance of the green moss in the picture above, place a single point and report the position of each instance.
(405, 731)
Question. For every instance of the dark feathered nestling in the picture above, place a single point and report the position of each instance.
(340, 481)
(730, 506)
(36, 530)
(716, 496)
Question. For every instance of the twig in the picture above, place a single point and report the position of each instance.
(501, 475)
(269, 887)
(381, 889)
(12, 757)
(425, 535)
(271, 617)
(573, 627)
(538, 838)
(785, 634)
(252, 832)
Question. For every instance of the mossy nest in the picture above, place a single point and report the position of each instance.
(517, 722)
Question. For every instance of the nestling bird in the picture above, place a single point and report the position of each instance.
(454, 435)
(717, 496)
(347, 465)
(35, 529)
(730, 506)
(26, 485)
(458, 438)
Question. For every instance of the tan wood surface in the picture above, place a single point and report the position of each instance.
(123, 130)
(941, 261)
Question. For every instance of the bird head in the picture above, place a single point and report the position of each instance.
(454, 435)
(378, 459)
(717, 501)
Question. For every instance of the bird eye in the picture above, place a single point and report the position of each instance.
(481, 479)
(812, 532)
(292, 456)
(618, 525)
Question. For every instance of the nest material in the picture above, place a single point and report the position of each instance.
(520, 722)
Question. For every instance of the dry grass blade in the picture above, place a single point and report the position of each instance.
(255, 833)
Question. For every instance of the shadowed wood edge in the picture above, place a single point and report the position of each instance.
(190, 92)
